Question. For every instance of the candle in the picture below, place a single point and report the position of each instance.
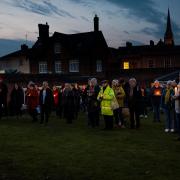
(176, 91)
(157, 92)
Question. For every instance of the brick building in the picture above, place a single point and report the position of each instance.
(152, 60)
(85, 54)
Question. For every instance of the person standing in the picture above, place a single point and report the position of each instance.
(144, 102)
(1, 102)
(56, 100)
(68, 101)
(46, 102)
(156, 93)
(16, 100)
(4, 91)
(120, 95)
(134, 103)
(76, 94)
(176, 98)
(106, 96)
(93, 106)
(32, 101)
(166, 103)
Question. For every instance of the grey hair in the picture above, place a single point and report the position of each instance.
(169, 82)
(156, 81)
(132, 79)
(94, 81)
(115, 81)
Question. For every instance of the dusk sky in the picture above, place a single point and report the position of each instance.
(138, 21)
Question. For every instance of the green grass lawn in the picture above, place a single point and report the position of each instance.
(30, 151)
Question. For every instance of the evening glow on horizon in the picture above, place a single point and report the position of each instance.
(138, 21)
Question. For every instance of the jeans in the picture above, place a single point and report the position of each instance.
(168, 119)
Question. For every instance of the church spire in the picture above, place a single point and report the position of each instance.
(168, 37)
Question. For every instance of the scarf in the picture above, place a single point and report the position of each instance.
(167, 96)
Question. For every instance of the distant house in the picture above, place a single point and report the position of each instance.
(16, 62)
(82, 54)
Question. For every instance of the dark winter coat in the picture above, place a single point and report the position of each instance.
(68, 101)
(156, 99)
(92, 102)
(135, 100)
(48, 99)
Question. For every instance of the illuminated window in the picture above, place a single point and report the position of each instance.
(126, 65)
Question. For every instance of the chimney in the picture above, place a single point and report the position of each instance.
(24, 47)
(96, 23)
(43, 31)
(128, 44)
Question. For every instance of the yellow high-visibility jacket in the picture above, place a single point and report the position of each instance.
(106, 98)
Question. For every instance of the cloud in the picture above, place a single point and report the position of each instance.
(85, 3)
(85, 19)
(45, 7)
(126, 32)
(73, 31)
(147, 11)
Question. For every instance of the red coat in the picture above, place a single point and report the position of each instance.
(32, 98)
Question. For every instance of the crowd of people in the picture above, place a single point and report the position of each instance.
(115, 101)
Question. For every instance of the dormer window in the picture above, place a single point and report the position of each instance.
(57, 48)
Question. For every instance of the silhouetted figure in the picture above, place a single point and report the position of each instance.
(68, 103)
(46, 103)
(93, 105)
(16, 100)
(76, 93)
(134, 97)
(32, 101)
(156, 93)
(4, 90)
(1, 102)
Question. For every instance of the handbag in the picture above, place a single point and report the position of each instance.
(114, 104)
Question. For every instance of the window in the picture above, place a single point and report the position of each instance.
(151, 63)
(58, 68)
(57, 48)
(74, 66)
(126, 65)
(42, 67)
(98, 66)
